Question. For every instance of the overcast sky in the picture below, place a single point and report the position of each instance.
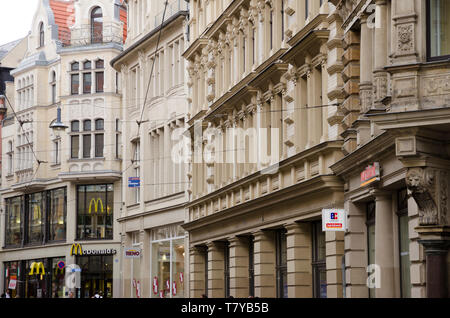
(15, 19)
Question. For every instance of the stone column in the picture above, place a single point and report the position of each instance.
(299, 252)
(265, 262)
(239, 267)
(384, 246)
(197, 274)
(216, 270)
(334, 252)
(355, 252)
(436, 242)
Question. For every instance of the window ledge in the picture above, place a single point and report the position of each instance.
(86, 159)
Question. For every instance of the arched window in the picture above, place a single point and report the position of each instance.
(41, 34)
(96, 25)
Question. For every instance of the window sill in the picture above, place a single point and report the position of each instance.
(86, 159)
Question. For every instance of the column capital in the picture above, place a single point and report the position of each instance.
(295, 227)
(381, 195)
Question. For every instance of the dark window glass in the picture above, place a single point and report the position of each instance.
(318, 261)
(99, 64)
(87, 125)
(36, 217)
(41, 35)
(99, 82)
(87, 83)
(75, 126)
(75, 146)
(14, 221)
(57, 215)
(271, 29)
(75, 66)
(99, 140)
(96, 25)
(95, 206)
(86, 146)
(227, 269)
(251, 266)
(13, 273)
(99, 124)
(370, 210)
(282, 19)
(439, 28)
(87, 65)
(405, 262)
(53, 93)
(281, 267)
(75, 84)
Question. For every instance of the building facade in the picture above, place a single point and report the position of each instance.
(351, 97)
(61, 190)
(154, 107)
(395, 59)
(260, 85)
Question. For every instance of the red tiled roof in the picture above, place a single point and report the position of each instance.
(64, 13)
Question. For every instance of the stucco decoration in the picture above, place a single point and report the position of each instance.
(429, 189)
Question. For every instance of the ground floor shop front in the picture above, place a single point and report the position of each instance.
(272, 247)
(154, 257)
(97, 267)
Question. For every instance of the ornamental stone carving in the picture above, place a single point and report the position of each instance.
(405, 39)
(429, 188)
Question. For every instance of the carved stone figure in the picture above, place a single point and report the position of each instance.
(421, 183)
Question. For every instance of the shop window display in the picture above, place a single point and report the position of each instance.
(167, 262)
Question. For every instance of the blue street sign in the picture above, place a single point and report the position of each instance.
(134, 182)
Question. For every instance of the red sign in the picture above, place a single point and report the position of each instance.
(370, 174)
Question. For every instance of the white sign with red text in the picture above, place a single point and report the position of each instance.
(334, 220)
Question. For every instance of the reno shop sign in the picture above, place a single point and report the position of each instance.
(370, 174)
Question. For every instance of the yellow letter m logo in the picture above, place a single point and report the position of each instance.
(96, 203)
(76, 249)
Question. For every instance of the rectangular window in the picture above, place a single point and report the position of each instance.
(99, 141)
(87, 83)
(14, 220)
(75, 84)
(86, 146)
(282, 20)
(438, 29)
(405, 263)
(57, 214)
(251, 266)
(226, 259)
(95, 211)
(281, 266)
(75, 147)
(56, 152)
(36, 217)
(370, 223)
(53, 93)
(99, 82)
(253, 46)
(167, 262)
(137, 191)
(318, 261)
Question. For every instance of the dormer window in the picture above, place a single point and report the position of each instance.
(41, 34)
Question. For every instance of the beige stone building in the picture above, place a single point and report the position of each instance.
(255, 224)
(353, 96)
(61, 190)
(395, 83)
(154, 107)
